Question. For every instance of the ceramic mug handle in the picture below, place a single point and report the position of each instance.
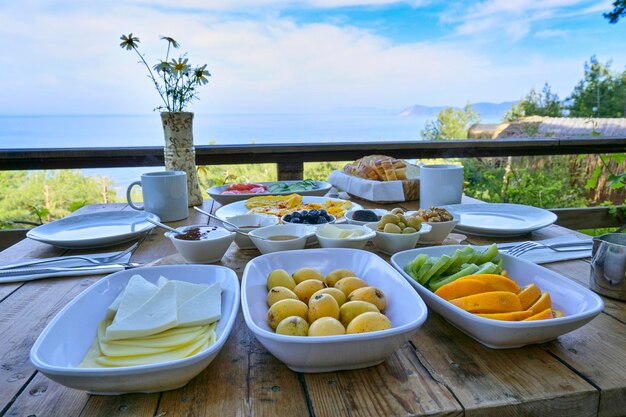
(128, 191)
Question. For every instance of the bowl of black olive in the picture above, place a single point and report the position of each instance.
(363, 217)
(312, 217)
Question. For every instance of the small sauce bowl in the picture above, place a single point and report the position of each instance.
(201, 244)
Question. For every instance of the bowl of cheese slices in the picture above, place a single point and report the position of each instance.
(141, 330)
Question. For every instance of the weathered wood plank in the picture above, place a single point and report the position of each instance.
(489, 382)
(400, 386)
(24, 315)
(128, 405)
(45, 398)
(596, 351)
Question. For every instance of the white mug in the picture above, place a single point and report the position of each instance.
(164, 194)
(440, 185)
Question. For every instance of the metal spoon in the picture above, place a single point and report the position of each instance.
(236, 228)
(171, 229)
(199, 210)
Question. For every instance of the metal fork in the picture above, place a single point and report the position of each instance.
(95, 261)
(524, 247)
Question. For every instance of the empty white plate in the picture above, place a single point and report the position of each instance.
(94, 230)
(500, 219)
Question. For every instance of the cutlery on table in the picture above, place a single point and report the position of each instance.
(102, 260)
(524, 247)
(16, 272)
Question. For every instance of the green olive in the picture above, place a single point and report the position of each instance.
(408, 230)
(392, 228)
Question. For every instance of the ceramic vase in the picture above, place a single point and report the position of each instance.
(180, 154)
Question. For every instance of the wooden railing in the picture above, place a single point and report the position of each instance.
(291, 157)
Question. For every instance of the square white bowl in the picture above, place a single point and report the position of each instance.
(579, 304)
(405, 309)
(63, 343)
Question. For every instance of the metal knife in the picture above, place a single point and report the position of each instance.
(50, 270)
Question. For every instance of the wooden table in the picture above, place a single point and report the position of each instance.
(439, 372)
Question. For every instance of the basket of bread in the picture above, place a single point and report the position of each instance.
(378, 178)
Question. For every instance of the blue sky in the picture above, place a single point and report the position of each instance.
(266, 56)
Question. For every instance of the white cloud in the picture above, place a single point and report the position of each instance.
(72, 63)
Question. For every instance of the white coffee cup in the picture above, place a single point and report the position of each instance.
(164, 194)
(440, 184)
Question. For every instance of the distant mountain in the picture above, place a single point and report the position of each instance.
(486, 110)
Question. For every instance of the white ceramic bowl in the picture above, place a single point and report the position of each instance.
(204, 251)
(352, 242)
(302, 231)
(65, 340)
(349, 213)
(257, 220)
(439, 231)
(405, 309)
(579, 304)
(390, 243)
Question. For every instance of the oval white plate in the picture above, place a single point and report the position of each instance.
(579, 304)
(216, 192)
(93, 230)
(500, 219)
(63, 343)
(239, 207)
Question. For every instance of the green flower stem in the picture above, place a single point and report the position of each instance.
(156, 84)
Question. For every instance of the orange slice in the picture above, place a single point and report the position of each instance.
(529, 295)
(462, 288)
(497, 282)
(543, 315)
(541, 304)
(512, 316)
(557, 313)
(489, 302)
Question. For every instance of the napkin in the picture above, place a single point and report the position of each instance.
(368, 189)
(89, 268)
(546, 255)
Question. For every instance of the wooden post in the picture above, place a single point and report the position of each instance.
(289, 170)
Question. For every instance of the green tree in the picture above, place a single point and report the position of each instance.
(619, 11)
(451, 123)
(601, 92)
(542, 103)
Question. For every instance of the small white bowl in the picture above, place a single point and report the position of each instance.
(203, 251)
(390, 243)
(358, 242)
(439, 231)
(350, 220)
(405, 309)
(302, 231)
(256, 220)
(62, 345)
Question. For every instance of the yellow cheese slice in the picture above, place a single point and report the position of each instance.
(154, 316)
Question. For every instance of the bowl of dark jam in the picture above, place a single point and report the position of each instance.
(201, 244)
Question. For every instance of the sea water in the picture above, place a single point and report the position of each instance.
(74, 131)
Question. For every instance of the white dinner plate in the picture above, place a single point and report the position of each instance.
(94, 230)
(500, 219)
(579, 304)
(216, 192)
(239, 207)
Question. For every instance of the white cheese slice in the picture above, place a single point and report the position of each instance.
(204, 308)
(185, 291)
(137, 292)
(154, 316)
(162, 281)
